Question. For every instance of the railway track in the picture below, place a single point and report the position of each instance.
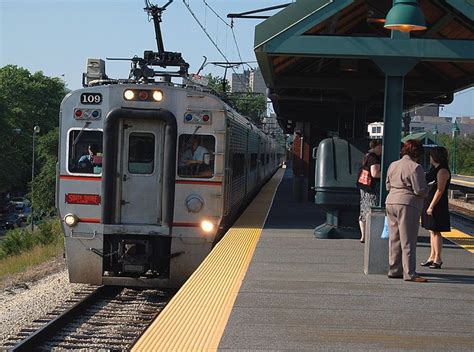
(461, 212)
(103, 318)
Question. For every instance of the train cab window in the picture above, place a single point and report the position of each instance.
(85, 152)
(141, 153)
(196, 156)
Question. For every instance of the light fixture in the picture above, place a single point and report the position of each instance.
(129, 94)
(71, 220)
(405, 16)
(207, 226)
(348, 65)
(158, 95)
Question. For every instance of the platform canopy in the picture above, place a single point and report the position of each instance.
(321, 59)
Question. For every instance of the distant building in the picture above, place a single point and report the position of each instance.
(424, 110)
(375, 130)
(270, 124)
(256, 82)
(239, 82)
(465, 120)
(428, 124)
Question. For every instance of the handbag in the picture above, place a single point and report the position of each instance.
(364, 178)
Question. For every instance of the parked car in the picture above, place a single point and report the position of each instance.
(24, 214)
(20, 203)
(9, 221)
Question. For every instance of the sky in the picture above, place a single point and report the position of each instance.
(57, 36)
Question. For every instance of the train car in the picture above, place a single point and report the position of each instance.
(150, 175)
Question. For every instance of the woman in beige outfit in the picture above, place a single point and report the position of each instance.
(407, 188)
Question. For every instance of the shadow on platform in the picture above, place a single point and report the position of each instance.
(286, 213)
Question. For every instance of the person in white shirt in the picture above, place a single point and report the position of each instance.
(194, 157)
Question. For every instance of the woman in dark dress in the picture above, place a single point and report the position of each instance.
(435, 214)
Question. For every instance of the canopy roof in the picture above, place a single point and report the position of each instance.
(421, 136)
(318, 57)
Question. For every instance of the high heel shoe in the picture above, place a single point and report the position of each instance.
(427, 263)
(436, 265)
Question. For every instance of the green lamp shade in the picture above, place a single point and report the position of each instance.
(405, 16)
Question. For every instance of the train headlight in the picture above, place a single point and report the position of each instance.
(158, 95)
(207, 226)
(194, 203)
(71, 220)
(128, 94)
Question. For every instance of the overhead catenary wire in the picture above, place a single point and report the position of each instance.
(212, 41)
(231, 26)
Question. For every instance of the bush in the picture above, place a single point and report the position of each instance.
(20, 240)
(17, 241)
(48, 232)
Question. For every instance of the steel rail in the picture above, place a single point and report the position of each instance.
(42, 335)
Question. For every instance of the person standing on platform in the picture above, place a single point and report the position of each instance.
(435, 214)
(369, 196)
(407, 188)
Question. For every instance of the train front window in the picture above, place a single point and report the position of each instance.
(141, 153)
(85, 152)
(196, 156)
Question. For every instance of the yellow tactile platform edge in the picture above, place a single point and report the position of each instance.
(463, 182)
(195, 319)
(461, 239)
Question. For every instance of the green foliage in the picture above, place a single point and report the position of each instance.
(17, 241)
(216, 84)
(20, 240)
(249, 104)
(48, 232)
(464, 152)
(45, 181)
(26, 100)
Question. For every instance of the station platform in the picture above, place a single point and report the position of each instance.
(271, 285)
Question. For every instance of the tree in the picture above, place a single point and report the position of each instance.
(44, 184)
(464, 152)
(26, 100)
(249, 104)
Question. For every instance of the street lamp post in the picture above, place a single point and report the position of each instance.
(455, 132)
(36, 130)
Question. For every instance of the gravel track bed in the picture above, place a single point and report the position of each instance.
(23, 303)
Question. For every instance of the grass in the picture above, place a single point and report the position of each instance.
(36, 255)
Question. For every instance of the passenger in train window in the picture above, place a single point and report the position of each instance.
(369, 195)
(407, 189)
(435, 214)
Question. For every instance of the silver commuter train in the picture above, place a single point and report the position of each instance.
(150, 176)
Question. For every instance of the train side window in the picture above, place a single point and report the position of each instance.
(141, 153)
(238, 165)
(196, 156)
(253, 161)
(85, 152)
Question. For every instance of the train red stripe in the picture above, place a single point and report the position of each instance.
(186, 224)
(80, 178)
(90, 220)
(207, 183)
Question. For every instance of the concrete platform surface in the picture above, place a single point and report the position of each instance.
(302, 293)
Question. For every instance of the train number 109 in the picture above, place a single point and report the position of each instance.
(91, 98)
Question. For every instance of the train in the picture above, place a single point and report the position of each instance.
(150, 176)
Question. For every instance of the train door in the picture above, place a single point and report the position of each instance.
(141, 171)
